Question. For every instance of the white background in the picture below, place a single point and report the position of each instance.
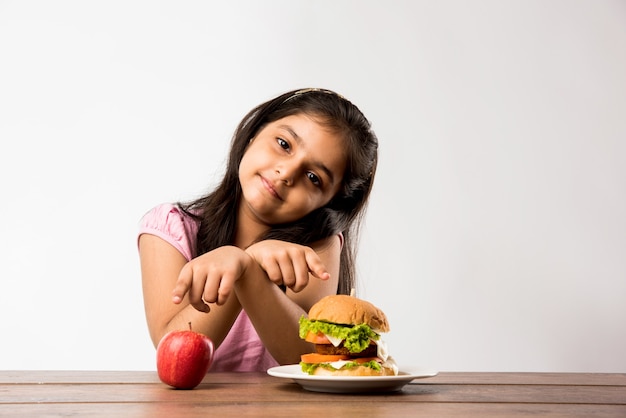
(496, 235)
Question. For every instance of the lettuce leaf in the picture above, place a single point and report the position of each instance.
(309, 368)
(356, 338)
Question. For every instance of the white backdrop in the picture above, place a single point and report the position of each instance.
(496, 235)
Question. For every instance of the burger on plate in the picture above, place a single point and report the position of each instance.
(346, 333)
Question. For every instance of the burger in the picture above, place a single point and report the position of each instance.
(345, 331)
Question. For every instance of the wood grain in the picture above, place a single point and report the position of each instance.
(111, 393)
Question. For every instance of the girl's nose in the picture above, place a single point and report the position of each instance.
(287, 171)
(284, 176)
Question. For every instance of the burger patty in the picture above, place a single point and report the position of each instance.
(370, 351)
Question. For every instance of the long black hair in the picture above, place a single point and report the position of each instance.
(217, 211)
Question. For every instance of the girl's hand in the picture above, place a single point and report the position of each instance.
(288, 264)
(210, 277)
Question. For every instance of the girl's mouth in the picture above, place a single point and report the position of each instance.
(270, 188)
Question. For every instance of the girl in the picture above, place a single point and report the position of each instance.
(246, 261)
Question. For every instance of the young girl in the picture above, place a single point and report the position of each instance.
(245, 262)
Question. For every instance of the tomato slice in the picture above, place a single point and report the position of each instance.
(318, 338)
(322, 358)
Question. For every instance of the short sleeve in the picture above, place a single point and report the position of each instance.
(170, 223)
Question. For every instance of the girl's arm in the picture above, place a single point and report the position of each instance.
(228, 275)
(161, 265)
(274, 314)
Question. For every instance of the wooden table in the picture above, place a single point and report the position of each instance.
(113, 394)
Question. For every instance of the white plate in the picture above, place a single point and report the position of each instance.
(349, 384)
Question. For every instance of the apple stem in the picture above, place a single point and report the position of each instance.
(189, 326)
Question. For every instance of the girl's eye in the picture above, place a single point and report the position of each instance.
(314, 179)
(282, 143)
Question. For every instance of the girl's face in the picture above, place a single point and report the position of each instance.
(291, 167)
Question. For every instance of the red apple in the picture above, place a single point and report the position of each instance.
(183, 358)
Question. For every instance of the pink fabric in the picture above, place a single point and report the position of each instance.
(242, 350)
(167, 222)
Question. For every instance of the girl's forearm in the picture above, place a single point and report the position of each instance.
(274, 316)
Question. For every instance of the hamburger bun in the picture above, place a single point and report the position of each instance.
(348, 310)
(355, 371)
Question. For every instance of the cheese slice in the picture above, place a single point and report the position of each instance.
(381, 349)
(334, 340)
(338, 364)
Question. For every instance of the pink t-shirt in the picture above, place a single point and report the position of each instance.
(242, 350)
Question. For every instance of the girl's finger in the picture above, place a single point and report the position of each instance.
(225, 288)
(287, 272)
(273, 271)
(301, 272)
(196, 293)
(315, 265)
(211, 286)
(182, 284)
